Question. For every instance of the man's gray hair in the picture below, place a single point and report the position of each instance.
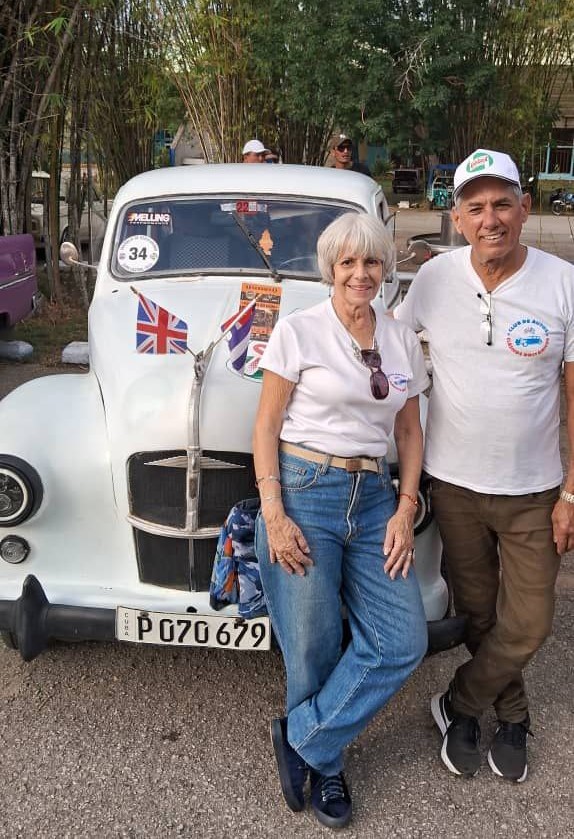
(514, 187)
(356, 234)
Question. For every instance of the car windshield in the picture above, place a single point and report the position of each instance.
(221, 235)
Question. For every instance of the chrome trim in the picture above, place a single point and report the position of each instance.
(180, 462)
(21, 278)
(173, 532)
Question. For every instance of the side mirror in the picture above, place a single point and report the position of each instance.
(69, 253)
(69, 256)
(419, 251)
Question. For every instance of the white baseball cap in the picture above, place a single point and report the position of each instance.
(485, 162)
(255, 146)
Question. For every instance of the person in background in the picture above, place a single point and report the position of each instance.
(272, 157)
(331, 527)
(342, 156)
(254, 152)
(499, 318)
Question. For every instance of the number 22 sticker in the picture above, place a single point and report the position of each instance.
(138, 254)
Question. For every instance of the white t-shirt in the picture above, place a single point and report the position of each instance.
(331, 409)
(493, 414)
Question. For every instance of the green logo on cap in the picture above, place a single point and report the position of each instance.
(479, 161)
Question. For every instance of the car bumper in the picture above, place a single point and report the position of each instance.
(33, 621)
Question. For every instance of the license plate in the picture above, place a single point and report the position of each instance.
(143, 627)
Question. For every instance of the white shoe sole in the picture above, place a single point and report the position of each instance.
(438, 717)
(443, 724)
(497, 771)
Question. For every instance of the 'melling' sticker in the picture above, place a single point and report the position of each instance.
(148, 218)
(138, 254)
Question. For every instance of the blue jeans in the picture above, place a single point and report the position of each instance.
(331, 694)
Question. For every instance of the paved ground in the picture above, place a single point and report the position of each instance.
(548, 232)
(119, 741)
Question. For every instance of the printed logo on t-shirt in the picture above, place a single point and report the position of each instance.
(528, 337)
(398, 380)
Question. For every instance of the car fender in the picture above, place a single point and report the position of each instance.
(57, 425)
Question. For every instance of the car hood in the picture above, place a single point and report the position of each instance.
(147, 396)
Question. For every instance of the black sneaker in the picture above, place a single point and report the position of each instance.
(461, 736)
(507, 754)
(330, 799)
(291, 766)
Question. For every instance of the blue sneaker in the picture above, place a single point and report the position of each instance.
(330, 799)
(291, 767)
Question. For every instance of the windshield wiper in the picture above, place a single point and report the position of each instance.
(256, 246)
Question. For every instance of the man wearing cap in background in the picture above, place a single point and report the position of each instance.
(342, 152)
(500, 321)
(254, 152)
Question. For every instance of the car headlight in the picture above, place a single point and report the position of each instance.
(20, 491)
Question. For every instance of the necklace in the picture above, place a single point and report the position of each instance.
(357, 352)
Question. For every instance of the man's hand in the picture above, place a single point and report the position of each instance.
(563, 526)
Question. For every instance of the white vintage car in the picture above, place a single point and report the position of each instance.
(114, 484)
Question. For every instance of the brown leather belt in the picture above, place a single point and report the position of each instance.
(351, 464)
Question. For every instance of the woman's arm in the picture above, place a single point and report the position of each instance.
(399, 540)
(287, 545)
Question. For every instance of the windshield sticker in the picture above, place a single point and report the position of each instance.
(148, 218)
(266, 310)
(243, 207)
(138, 254)
(266, 242)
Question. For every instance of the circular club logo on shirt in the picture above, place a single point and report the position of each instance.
(398, 380)
(527, 337)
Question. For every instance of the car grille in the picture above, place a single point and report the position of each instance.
(157, 495)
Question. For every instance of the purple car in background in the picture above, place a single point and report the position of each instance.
(18, 282)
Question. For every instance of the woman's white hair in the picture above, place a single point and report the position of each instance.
(355, 234)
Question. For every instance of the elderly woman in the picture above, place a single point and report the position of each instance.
(337, 381)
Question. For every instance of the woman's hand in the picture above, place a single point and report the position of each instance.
(399, 545)
(287, 545)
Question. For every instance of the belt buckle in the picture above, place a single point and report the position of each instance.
(353, 464)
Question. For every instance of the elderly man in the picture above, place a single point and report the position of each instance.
(500, 322)
(254, 152)
(342, 152)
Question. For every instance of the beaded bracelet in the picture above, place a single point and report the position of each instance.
(271, 498)
(268, 478)
(410, 497)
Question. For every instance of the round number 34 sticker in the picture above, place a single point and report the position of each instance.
(137, 254)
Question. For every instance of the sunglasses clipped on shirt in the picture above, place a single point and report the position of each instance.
(379, 381)
(486, 323)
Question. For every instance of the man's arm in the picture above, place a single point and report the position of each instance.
(563, 513)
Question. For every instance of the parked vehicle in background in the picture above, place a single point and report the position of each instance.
(112, 515)
(98, 222)
(18, 281)
(440, 186)
(563, 203)
(407, 180)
